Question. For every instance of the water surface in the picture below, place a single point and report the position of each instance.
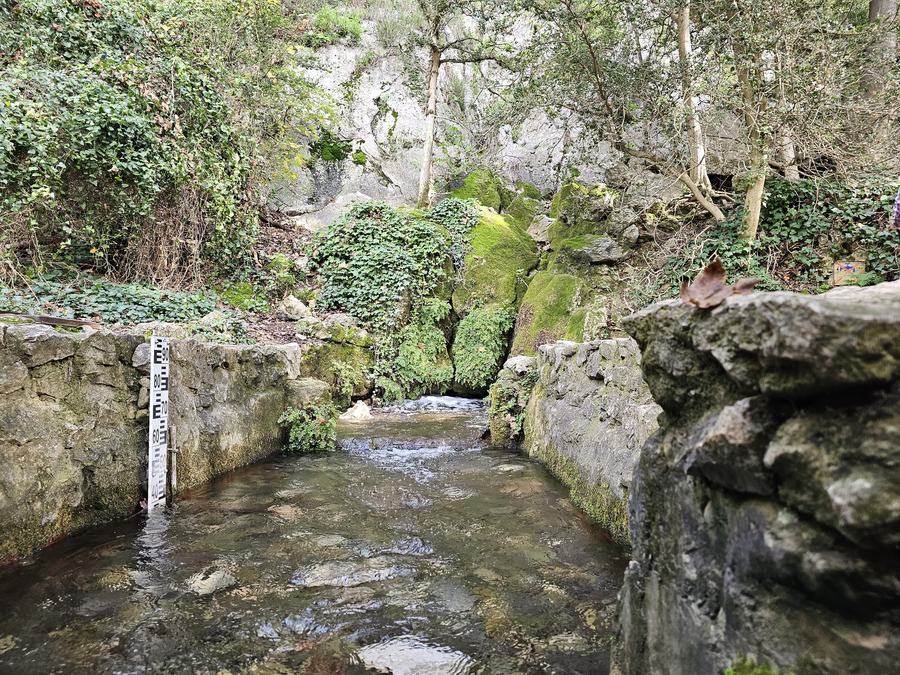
(414, 549)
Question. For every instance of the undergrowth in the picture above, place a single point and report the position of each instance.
(312, 429)
(806, 225)
(134, 133)
(480, 345)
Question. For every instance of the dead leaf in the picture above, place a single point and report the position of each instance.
(710, 288)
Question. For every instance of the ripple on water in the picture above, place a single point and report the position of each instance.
(412, 655)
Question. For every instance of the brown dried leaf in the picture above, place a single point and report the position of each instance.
(710, 288)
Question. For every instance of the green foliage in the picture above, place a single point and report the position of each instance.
(313, 429)
(331, 24)
(331, 148)
(279, 276)
(480, 345)
(359, 158)
(458, 217)
(377, 263)
(112, 303)
(120, 116)
(749, 666)
(805, 226)
(508, 399)
(414, 361)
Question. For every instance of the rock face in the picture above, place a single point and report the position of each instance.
(765, 513)
(73, 422)
(588, 417)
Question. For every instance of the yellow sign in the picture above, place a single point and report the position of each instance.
(848, 272)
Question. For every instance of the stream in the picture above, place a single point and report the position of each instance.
(415, 549)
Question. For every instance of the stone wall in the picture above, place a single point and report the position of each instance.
(765, 513)
(73, 422)
(587, 419)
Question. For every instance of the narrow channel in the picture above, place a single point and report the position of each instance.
(413, 549)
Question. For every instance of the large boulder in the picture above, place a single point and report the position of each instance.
(765, 513)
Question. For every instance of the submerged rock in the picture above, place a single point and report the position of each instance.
(349, 573)
(204, 583)
(412, 655)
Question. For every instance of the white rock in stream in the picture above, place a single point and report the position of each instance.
(204, 584)
(410, 655)
(358, 413)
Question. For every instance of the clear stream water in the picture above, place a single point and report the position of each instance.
(415, 550)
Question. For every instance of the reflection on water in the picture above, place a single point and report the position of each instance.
(412, 550)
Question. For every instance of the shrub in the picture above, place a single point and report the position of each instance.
(414, 361)
(805, 225)
(131, 131)
(313, 429)
(330, 24)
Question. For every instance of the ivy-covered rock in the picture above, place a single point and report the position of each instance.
(377, 261)
(499, 257)
(480, 346)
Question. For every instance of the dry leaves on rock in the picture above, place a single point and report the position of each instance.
(710, 288)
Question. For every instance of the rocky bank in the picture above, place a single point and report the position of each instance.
(587, 420)
(765, 512)
(73, 422)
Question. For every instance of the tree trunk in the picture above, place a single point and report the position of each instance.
(787, 154)
(696, 145)
(884, 48)
(752, 107)
(430, 113)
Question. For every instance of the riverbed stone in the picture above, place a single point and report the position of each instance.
(763, 514)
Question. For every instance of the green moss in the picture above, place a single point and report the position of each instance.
(597, 500)
(526, 189)
(359, 158)
(575, 209)
(508, 398)
(483, 186)
(345, 367)
(499, 257)
(480, 346)
(552, 309)
(243, 295)
(748, 666)
(522, 211)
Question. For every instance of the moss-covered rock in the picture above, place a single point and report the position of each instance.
(523, 210)
(553, 308)
(484, 186)
(344, 366)
(499, 256)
